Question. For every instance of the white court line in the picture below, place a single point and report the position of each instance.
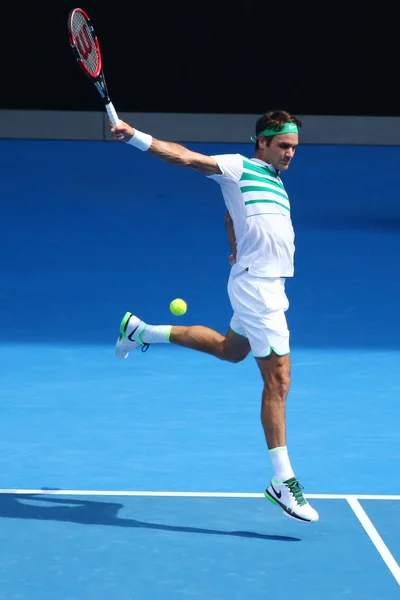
(352, 499)
(189, 494)
(375, 538)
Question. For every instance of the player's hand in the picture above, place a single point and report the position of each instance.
(122, 132)
(232, 259)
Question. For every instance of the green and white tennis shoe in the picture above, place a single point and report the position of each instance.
(130, 331)
(289, 497)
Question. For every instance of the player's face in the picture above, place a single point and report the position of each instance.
(280, 151)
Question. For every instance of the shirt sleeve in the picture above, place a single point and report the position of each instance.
(231, 166)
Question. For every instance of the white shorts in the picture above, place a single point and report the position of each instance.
(259, 305)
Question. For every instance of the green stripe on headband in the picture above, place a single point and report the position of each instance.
(287, 128)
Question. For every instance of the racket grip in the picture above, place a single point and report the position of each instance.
(112, 113)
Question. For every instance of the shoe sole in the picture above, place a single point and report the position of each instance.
(123, 326)
(298, 519)
(270, 498)
(285, 510)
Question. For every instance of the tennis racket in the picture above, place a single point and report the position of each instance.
(86, 48)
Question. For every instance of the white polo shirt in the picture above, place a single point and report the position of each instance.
(259, 206)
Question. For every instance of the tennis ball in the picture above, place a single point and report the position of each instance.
(178, 307)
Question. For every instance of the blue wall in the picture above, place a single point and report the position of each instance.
(91, 229)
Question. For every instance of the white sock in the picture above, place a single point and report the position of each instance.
(154, 334)
(281, 463)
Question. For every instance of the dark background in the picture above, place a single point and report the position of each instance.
(216, 57)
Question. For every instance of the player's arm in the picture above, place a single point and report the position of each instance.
(231, 237)
(170, 152)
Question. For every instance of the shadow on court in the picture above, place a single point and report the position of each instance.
(89, 512)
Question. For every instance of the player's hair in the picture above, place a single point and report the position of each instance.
(274, 119)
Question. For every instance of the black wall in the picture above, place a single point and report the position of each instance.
(220, 57)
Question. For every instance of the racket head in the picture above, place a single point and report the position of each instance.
(84, 43)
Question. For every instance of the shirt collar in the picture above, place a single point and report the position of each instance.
(265, 164)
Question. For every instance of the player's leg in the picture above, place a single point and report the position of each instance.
(275, 372)
(260, 303)
(135, 333)
(284, 488)
(231, 347)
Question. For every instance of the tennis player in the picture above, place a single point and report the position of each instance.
(262, 256)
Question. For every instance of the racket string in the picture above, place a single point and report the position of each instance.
(84, 43)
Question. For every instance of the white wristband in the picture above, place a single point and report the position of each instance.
(141, 140)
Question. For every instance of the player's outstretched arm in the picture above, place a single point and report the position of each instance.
(170, 152)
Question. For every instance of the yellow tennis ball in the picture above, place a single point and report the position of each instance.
(178, 307)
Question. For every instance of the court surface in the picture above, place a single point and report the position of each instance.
(144, 478)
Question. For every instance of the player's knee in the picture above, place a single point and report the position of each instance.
(237, 358)
(284, 385)
(276, 375)
(234, 356)
(280, 381)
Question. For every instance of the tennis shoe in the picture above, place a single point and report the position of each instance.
(289, 497)
(130, 332)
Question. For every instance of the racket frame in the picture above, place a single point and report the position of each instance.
(97, 78)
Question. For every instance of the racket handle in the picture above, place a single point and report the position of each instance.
(112, 113)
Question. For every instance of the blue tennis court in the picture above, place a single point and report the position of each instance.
(144, 478)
